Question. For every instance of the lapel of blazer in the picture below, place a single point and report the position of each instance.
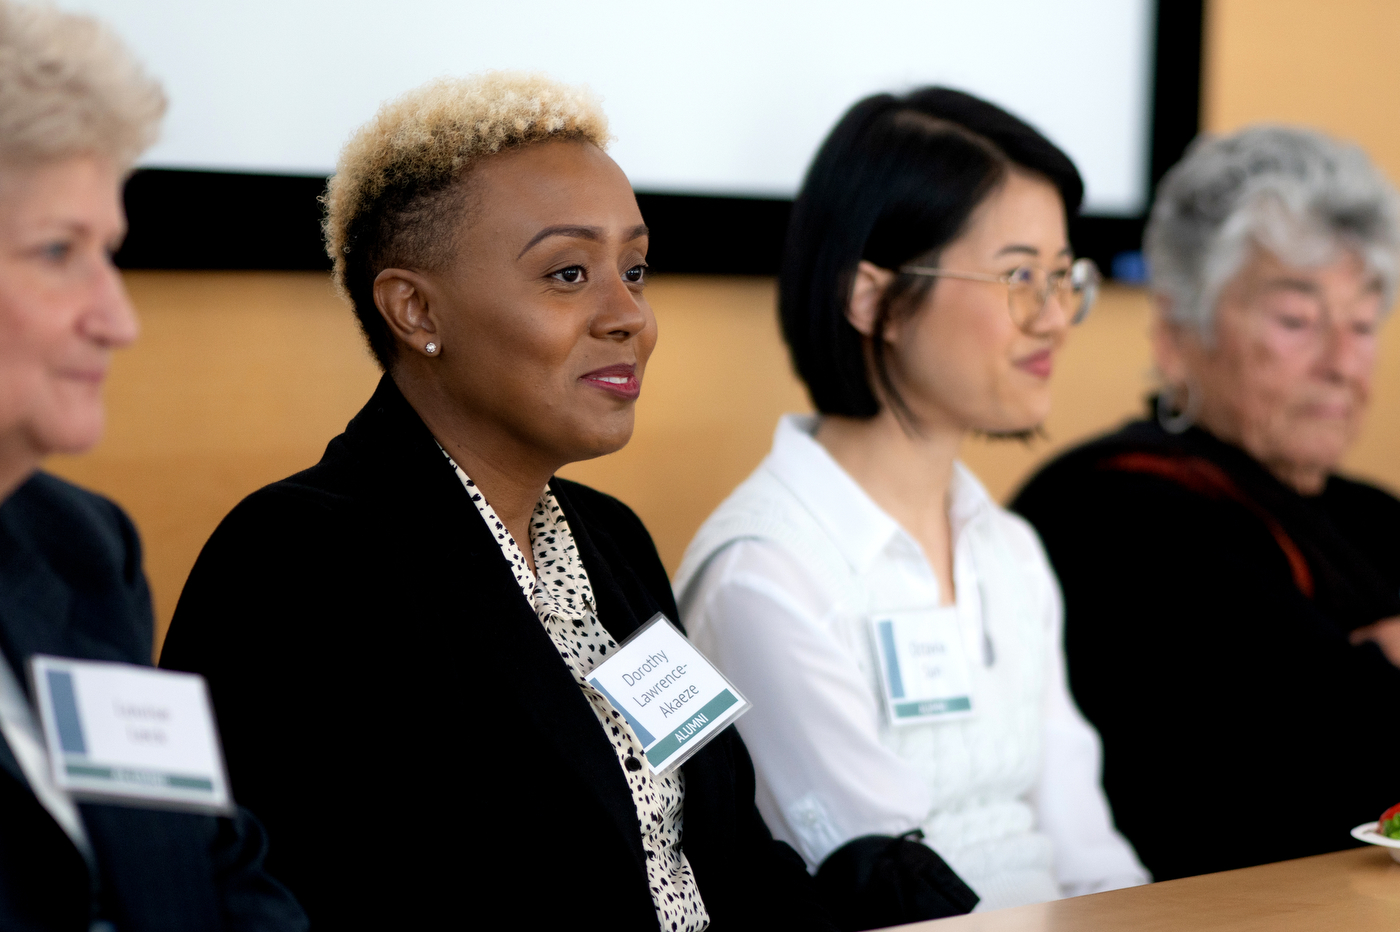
(616, 611)
(34, 602)
(422, 497)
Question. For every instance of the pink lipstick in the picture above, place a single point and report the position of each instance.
(1039, 364)
(620, 380)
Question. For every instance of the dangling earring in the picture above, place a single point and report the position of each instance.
(1180, 420)
(430, 349)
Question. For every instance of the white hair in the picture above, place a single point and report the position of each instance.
(1297, 193)
(69, 86)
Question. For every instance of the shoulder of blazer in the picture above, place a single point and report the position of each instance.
(364, 470)
(77, 527)
(59, 539)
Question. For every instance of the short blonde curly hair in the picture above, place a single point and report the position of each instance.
(69, 86)
(394, 199)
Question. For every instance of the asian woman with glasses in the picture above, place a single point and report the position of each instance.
(897, 631)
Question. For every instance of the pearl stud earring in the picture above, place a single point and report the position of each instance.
(430, 349)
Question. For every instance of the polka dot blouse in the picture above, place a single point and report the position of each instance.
(563, 600)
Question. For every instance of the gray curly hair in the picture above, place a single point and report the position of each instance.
(1295, 192)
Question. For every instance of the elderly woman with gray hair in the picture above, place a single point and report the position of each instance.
(1231, 602)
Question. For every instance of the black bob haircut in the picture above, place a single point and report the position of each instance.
(894, 183)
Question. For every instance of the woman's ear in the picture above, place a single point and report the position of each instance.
(870, 284)
(402, 298)
(1168, 339)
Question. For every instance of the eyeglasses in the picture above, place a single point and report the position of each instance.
(1028, 289)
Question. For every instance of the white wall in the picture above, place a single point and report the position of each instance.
(724, 97)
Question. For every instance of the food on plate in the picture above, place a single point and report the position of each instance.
(1389, 824)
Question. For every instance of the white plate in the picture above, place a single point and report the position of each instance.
(1368, 834)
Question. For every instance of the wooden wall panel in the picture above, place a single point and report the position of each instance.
(1329, 65)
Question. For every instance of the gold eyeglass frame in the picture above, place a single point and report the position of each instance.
(1088, 272)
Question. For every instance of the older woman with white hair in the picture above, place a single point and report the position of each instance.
(1231, 602)
(75, 111)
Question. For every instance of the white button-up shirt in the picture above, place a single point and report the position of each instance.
(778, 589)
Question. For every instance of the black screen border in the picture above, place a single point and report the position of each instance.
(234, 221)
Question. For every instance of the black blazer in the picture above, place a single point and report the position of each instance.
(71, 585)
(1239, 726)
(394, 711)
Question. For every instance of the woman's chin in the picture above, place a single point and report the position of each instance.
(1319, 440)
(602, 440)
(1011, 420)
(70, 436)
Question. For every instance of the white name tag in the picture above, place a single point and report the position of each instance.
(674, 699)
(133, 735)
(923, 666)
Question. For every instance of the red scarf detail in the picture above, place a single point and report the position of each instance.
(1205, 478)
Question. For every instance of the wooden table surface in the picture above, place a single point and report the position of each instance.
(1352, 891)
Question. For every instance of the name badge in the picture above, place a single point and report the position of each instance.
(923, 666)
(674, 699)
(137, 736)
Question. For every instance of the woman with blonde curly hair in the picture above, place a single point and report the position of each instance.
(397, 639)
(75, 111)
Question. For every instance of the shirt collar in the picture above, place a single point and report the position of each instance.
(859, 527)
(968, 499)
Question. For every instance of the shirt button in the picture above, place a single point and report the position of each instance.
(632, 764)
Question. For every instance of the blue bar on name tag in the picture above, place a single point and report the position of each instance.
(65, 712)
(643, 735)
(886, 628)
(933, 707)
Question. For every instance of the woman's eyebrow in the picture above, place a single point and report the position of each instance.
(580, 232)
(1285, 283)
(591, 233)
(1022, 249)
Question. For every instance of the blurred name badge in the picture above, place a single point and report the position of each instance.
(674, 699)
(923, 666)
(131, 735)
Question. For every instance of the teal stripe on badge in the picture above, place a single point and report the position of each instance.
(697, 723)
(190, 783)
(147, 778)
(892, 673)
(86, 770)
(643, 735)
(932, 707)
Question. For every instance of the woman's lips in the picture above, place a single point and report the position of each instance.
(620, 380)
(1039, 364)
(95, 376)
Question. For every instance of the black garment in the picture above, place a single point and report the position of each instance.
(1207, 608)
(396, 714)
(71, 585)
(876, 881)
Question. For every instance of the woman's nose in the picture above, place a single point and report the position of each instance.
(110, 319)
(622, 313)
(1344, 353)
(1054, 316)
